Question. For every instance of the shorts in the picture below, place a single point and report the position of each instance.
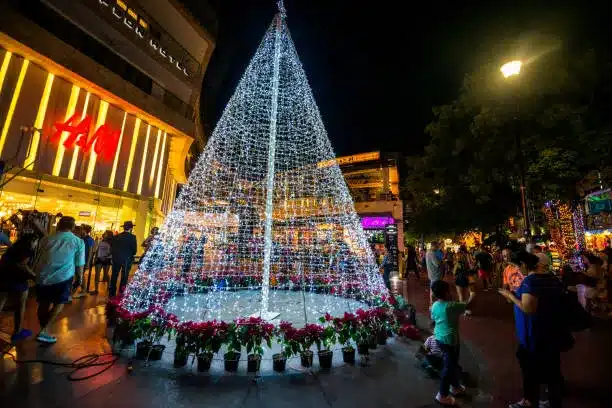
(11, 287)
(57, 293)
(103, 262)
(482, 274)
(462, 281)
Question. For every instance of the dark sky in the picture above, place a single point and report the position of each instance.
(375, 69)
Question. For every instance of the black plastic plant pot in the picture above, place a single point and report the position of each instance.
(279, 362)
(204, 362)
(348, 355)
(363, 349)
(381, 337)
(325, 359)
(146, 351)
(306, 358)
(253, 363)
(373, 343)
(231, 361)
(180, 358)
(142, 350)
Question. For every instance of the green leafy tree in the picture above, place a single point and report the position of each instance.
(468, 176)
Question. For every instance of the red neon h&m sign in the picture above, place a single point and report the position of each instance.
(104, 140)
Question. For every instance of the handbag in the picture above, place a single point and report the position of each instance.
(576, 318)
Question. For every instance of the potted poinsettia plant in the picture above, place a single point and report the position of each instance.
(112, 310)
(229, 336)
(363, 331)
(345, 327)
(208, 338)
(327, 340)
(181, 352)
(306, 337)
(122, 335)
(287, 337)
(150, 330)
(253, 332)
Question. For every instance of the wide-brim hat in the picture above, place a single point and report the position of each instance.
(128, 225)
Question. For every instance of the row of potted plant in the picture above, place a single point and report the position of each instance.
(365, 328)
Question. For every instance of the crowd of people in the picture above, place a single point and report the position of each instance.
(548, 306)
(56, 263)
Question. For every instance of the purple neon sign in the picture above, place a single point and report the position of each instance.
(376, 222)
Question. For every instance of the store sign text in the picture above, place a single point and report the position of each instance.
(104, 140)
(140, 27)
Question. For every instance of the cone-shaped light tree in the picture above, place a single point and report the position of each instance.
(266, 207)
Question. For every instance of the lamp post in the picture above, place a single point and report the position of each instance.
(508, 70)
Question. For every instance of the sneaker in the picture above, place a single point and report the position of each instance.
(543, 404)
(520, 404)
(79, 295)
(22, 335)
(93, 292)
(448, 401)
(468, 312)
(456, 391)
(45, 338)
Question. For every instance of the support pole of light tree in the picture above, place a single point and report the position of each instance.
(265, 283)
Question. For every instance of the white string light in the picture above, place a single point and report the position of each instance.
(229, 231)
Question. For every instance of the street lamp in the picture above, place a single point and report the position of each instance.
(509, 69)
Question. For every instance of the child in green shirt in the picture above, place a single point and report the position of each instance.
(445, 314)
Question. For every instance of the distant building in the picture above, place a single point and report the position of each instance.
(99, 106)
(374, 182)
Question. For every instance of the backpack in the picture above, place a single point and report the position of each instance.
(104, 251)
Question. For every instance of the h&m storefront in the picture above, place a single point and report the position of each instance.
(68, 146)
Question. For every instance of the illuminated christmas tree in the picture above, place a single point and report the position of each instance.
(266, 223)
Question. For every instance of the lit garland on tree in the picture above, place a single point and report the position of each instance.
(266, 207)
(579, 229)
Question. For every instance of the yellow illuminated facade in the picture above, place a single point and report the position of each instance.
(53, 125)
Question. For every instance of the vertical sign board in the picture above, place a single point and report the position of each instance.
(391, 243)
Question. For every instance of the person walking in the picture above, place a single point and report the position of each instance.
(102, 259)
(542, 332)
(14, 276)
(60, 262)
(88, 241)
(148, 242)
(123, 250)
(387, 265)
(485, 266)
(411, 262)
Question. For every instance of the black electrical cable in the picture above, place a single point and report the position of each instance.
(81, 363)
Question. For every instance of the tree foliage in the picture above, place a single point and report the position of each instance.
(468, 176)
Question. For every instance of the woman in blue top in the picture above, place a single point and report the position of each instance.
(541, 331)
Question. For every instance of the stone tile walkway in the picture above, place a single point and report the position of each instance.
(489, 336)
(391, 378)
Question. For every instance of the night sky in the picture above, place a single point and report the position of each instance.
(376, 70)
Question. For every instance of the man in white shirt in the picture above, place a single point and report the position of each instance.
(61, 258)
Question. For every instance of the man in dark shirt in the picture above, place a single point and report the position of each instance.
(123, 250)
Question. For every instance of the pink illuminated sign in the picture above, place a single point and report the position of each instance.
(376, 222)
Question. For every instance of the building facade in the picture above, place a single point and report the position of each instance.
(99, 105)
(374, 181)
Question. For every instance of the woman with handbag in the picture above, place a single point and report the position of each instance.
(542, 331)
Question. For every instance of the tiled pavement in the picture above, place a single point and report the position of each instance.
(489, 333)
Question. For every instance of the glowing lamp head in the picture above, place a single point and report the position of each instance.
(511, 68)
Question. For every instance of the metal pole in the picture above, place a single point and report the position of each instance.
(521, 163)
